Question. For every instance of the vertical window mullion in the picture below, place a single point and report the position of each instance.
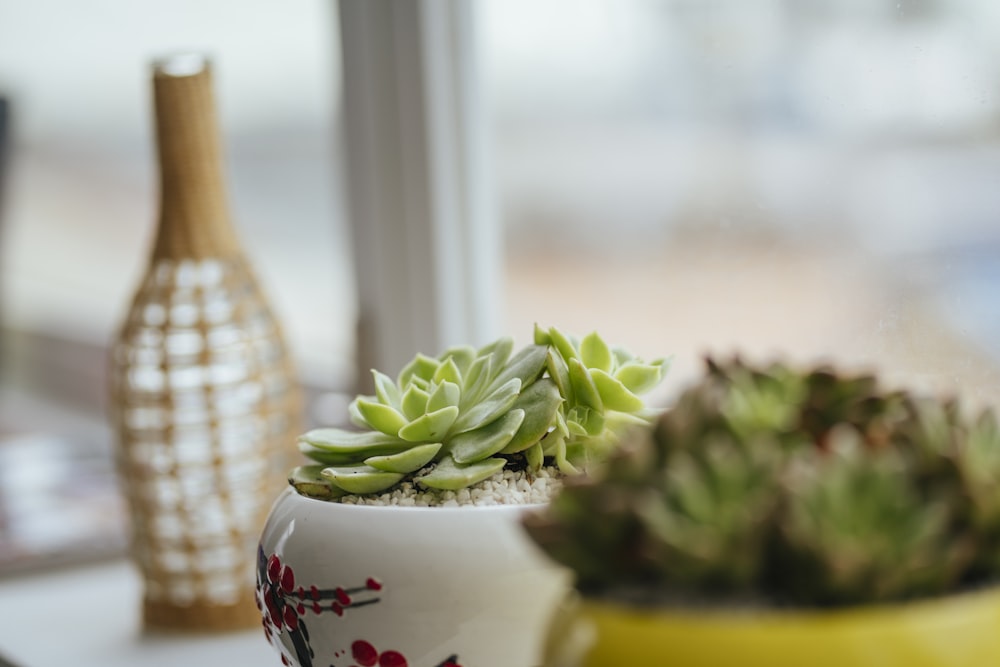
(424, 230)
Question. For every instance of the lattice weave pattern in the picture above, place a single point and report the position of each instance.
(206, 408)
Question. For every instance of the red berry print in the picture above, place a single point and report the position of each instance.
(272, 611)
(364, 653)
(273, 568)
(291, 619)
(284, 605)
(287, 581)
(392, 659)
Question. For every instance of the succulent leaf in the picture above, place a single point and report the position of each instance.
(361, 478)
(561, 457)
(406, 461)
(979, 469)
(640, 378)
(583, 385)
(595, 353)
(445, 395)
(448, 372)
(487, 440)
(499, 351)
(450, 476)
(309, 481)
(430, 426)
(563, 344)
(386, 390)
(575, 423)
(590, 420)
(476, 380)
(491, 407)
(422, 367)
(462, 355)
(341, 441)
(355, 415)
(535, 456)
(559, 373)
(329, 458)
(414, 402)
(540, 403)
(614, 394)
(527, 366)
(541, 336)
(380, 417)
(623, 356)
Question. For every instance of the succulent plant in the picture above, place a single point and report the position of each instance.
(450, 421)
(795, 487)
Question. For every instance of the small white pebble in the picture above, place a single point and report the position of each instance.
(509, 488)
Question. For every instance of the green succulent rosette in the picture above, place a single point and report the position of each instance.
(806, 487)
(450, 421)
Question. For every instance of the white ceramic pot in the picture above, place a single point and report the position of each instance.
(359, 586)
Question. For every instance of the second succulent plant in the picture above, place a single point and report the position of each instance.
(792, 487)
(450, 421)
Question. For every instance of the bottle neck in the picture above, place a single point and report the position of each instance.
(194, 217)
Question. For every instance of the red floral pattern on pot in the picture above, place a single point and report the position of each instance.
(284, 609)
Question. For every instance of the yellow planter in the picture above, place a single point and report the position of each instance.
(958, 631)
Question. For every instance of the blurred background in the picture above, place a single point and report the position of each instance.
(805, 178)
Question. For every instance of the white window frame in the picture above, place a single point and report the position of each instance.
(427, 246)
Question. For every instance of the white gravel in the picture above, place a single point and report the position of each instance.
(511, 487)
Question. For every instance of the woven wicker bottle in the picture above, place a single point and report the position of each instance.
(203, 396)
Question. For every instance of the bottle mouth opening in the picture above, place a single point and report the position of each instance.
(181, 64)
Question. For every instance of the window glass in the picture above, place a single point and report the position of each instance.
(81, 208)
(79, 214)
(770, 177)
